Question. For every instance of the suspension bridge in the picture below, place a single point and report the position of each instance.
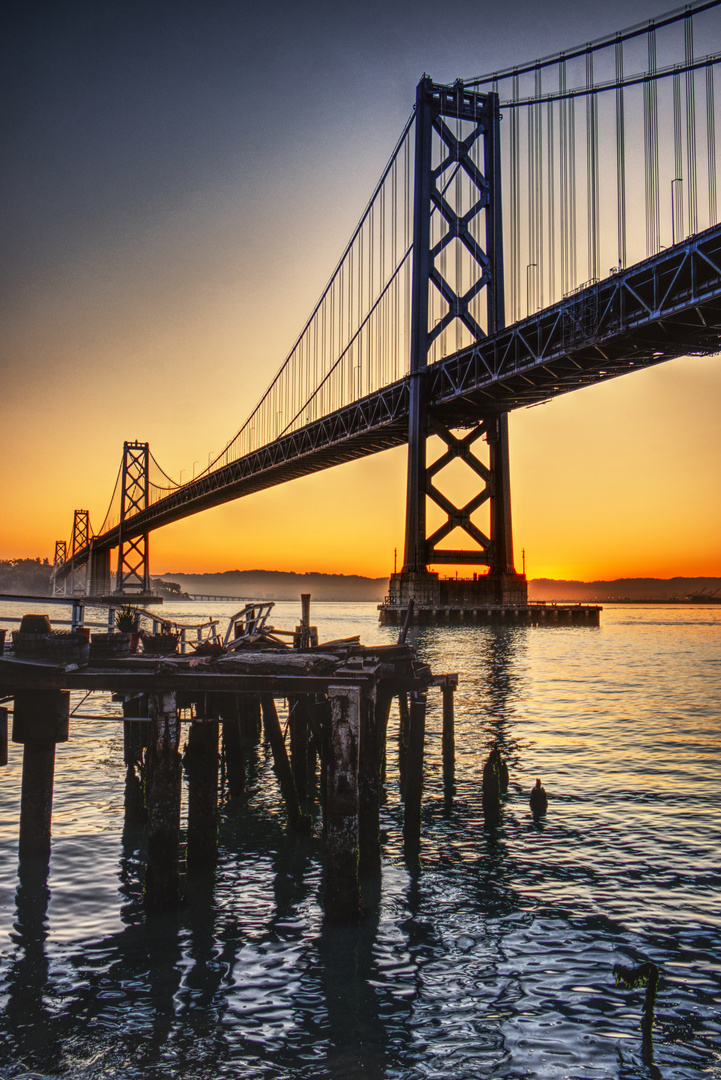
(536, 230)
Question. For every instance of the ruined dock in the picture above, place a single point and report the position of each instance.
(193, 719)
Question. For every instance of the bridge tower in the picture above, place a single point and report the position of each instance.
(80, 540)
(450, 121)
(133, 556)
(61, 556)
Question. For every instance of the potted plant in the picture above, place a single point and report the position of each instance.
(127, 621)
(164, 643)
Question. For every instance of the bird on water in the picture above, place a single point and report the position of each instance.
(538, 800)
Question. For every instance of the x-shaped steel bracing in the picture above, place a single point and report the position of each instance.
(133, 564)
(458, 517)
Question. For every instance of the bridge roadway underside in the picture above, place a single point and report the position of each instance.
(665, 307)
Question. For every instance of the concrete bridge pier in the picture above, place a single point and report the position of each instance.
(98, 580)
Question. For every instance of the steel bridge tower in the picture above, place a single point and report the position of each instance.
(133, 555)
(477, 120)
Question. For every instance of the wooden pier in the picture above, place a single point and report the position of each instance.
(339, 698)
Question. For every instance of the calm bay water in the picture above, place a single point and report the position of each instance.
(493, 960)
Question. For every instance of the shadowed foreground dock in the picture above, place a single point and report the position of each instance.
(332, 746)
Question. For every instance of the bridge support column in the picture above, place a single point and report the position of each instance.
(98, 572)
(61, 556)
(441, 153)
(133, 552)
(81, 539)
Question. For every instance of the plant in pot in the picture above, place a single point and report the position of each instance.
(164, 643)
(127, 621)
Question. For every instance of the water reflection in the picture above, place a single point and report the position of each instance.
(356, 1036)
(30, 1030)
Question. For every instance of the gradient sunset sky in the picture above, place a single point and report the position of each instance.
(178, 182)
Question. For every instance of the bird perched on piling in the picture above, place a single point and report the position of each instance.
(538, 800)
(491, 789)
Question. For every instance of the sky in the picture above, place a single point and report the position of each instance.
(178, 182)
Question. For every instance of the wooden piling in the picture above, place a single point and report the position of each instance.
(491, 790)
(302, 748)
(134, 739)
(40, 720)
(320, 720)
(201, 767)
(369, 786)
(384, 701)
(404, 726)
(233, 749)
(414, 771)
(162, 886)
(449, 736)
(283, 771)
(3, 736)
(342, 886)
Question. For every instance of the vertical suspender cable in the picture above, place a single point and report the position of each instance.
(572, 206)
(691, 126)
(515, 199)
(563, 207)
(406, 242)
(677, 230)
(551, 194)
(538, 192)
(592, 170)
(650, 122)
(620, 158)
(394, 263)
(532, 234)
(458, 201)
(711, 145)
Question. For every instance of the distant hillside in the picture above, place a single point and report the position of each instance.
(621, 588)
(279, 585)
(30, 577)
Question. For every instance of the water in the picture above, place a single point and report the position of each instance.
(495, 960)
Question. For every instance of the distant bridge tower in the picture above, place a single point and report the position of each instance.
(80, 540)
(133, 559)
(457, 136)
(61, 556)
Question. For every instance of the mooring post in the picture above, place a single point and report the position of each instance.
(233, 744)
(40, 720)
(342, 886)
(375, 711)
(414, 771)
(3, 736)
(384, 701)
(404, 721)
(201, 766)
(135, 732)
(162, 887)
(320, 724)
(449, 736)
(283, 771)
(302, 751)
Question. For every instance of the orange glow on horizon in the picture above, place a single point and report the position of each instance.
(611, 482)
